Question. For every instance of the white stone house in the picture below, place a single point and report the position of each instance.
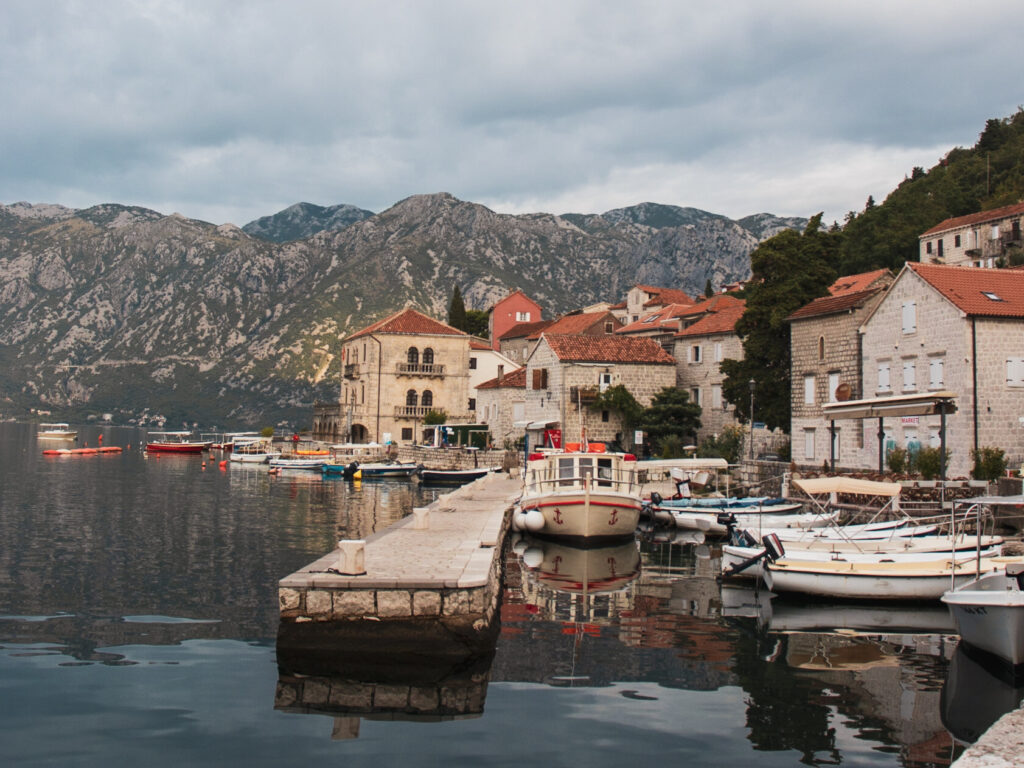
(485, 363)
(976, 240)
(501, 405)
(956, 329)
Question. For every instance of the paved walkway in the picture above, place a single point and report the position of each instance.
(454, 550)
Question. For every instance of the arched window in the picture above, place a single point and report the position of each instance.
(428, 356)
(821, 347)
(413, 356)
(428, 398)
(410, 397)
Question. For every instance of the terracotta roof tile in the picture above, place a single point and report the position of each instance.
(979, 292)
(667, 296)
(519, 330)
(514, 380)
(658, 319)
(572, 324)
(975, 218)
(609, 349)
(480, 346)
(721, 320)
(620, 305)
(409, 321)
(856, 283)
(830, 305)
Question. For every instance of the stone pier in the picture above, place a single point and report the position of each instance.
(428, 586)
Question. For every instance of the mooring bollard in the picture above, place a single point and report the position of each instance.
(351, 557)
(421, 518)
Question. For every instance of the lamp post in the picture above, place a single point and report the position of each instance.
(751, 384)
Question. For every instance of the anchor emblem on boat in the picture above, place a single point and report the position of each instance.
(614, 518)
(558, 516)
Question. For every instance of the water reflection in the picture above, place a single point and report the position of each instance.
(977, 692)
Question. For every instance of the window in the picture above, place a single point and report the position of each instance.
(995, 231)
(928, 247)
(716, 395)
(604, 381)
(833, 385)
(909, 317)
(605, 415)
(472, 363)
(540, 378)
(821, 347)
(940, 247)
(956, 241)
(411, 398)
(909, 376)
(695, 353)
(609, 327)
(413, 356)
(407, 433)
(428, 356)
(518, 411)
(718, 351)
(935, 373)
(808, 390)
(427, 400)
(808, 443)
(472, 403)
(883, 377)
(695, 395)
(991, 296)
(522, 317)
(1015, 372)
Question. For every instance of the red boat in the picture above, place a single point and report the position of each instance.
(175, 442)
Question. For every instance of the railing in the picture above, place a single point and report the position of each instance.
(351, 370)
(412, 411)
(621, 480)
(421, 369)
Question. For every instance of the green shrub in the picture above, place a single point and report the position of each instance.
(897, 460)
(434, 417)
(929, 462)
(726, 445)
(671, 447)
(267, 432)
(989, 464)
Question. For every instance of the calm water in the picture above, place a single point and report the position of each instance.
(138, 610)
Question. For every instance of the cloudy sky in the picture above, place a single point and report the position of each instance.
(226, 111)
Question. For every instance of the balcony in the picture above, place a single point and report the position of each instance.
(583, 395)
(420, 369)
(412, 411)
(352, 371)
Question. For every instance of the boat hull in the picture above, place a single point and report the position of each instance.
(454, 476)
(989, 613)
(177, 447)
(694, 520)
(597, 517)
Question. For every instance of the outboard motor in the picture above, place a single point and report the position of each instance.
(728, 519)
(773, 550)
(656, 499)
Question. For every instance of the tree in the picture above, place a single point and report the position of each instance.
(671, 414)
(708, 290)
(476, 323)
(457, 310)
(789, 270)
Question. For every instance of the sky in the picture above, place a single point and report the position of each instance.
(227, 111)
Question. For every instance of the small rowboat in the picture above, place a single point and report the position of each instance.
(82, 451)
(455, 476)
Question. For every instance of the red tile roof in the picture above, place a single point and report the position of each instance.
(856, 283)
(409, 321)
(516, 380)
(721, 320)
(580, 323)
(662, 319)
(666, 296)
(830, 305)
(609, 349)
(966, 288)
(975, 218)
(520, 330)
(480, 346)
(620, 305)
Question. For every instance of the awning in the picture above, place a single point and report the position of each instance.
(691, 464)
(812, 485)
(925, 404)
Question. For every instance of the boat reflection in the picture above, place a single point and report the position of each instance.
(576, 570)
(976, 693)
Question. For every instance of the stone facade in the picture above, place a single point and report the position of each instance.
(500, 405)
(917, 340)
(698, 371)
(825, 362)
(975, 240)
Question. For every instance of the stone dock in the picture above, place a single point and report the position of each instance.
(1001, 746)
(428, 586)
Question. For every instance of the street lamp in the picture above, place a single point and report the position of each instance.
(751, 384)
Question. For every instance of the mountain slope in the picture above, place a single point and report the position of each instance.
(304, 219)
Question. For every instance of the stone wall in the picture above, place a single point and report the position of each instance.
(457, 458)
(707, 377)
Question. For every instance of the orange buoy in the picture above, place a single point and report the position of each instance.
(223, 464)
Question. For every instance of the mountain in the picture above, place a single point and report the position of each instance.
(160, 318)
(304, 219)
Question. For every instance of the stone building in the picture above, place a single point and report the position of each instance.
(957, 329)
(519, 341)
(825, 366)
(642, 299)
(397, 370)
(699, 349)
(564, 374)
(512, 310)
(485, 364)
(501, 403)
(976, 240)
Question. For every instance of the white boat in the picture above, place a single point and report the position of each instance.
(175, 442)
(297, 462)
(916, 580)
(584, 496)
(989, 612)
(258, 450)
(389, 469)
(710, 522)
(56, 431)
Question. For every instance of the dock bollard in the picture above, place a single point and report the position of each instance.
(421, 517)
(351, 557)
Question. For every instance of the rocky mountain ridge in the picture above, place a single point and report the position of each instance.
(124, 310)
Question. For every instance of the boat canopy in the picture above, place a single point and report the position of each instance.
(816, 485)
(689, 464)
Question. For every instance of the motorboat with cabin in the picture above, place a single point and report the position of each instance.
(56, 431)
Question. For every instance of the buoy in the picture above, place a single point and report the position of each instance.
(519, 520)
(520, 547)
(533, 557)
(223, 464)
(534, 520)
(357, 475)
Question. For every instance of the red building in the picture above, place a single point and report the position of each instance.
(515, 308)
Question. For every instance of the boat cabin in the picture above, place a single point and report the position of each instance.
(573, 469)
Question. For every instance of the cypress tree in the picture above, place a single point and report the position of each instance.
(457, 310)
